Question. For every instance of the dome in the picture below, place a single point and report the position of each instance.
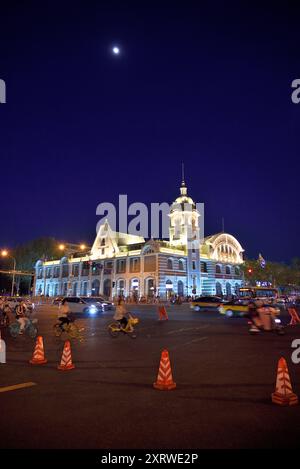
(183, 200)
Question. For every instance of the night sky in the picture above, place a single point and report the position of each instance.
(209, 85)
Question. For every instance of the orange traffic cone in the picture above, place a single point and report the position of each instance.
(162, 312)
(66, 359)
(164, 380)
(283, 394)
(294, 317)
(38, 357)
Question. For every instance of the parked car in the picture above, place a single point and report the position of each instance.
(86, 306)
(206, 303)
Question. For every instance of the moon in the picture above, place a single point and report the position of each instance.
(116, 50)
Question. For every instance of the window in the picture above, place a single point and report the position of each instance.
(40, 273)
(102, 252)
(181, 264)
(109, 264)
(96, 268)
(194, 265)
(48, 272)
(237, 271)
(121, 266)
(103, 242)
(76, 270)
(203, 266)
(135, 265)
(170, 264)
(218, 269)
(85, 269)
(228, 270)
(193, 250)
(56, 272)
(84, 288)
(65, 270)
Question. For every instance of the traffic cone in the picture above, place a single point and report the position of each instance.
(283, 394)
(294, 317)
(66, 359)
(38, 357)
(164, 380)
(162, 312)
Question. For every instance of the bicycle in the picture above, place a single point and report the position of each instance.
(115, 328)
(71, 330)
(30, 328)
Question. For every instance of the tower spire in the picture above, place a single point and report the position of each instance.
(183, 188)
(182, 171)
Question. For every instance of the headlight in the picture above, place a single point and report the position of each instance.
(93, 309)
(278, 321)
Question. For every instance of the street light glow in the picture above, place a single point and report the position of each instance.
(61, 247)
(82, 247)
(4, 253)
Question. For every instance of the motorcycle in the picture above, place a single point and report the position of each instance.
(266, 321)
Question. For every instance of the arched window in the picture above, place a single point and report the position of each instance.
(219, 289)
(74, 289)
(181, 264)
(103, 242)
(218, 269)
(237, 271)
(180, 289)
(170, 264)
(95, 287)
(228, 289)
(107, 287)
(203, 266)
(228, 270)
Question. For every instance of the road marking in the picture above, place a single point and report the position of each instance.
(17, 386)
(188, 343)
(188, 329)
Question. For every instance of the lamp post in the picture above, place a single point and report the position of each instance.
(4, 253)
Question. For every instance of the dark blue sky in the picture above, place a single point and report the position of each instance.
(209, 85)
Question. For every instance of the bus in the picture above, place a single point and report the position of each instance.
(258, 293)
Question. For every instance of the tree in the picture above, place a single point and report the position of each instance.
(26, 256)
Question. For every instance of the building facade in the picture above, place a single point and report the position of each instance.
(125, 264)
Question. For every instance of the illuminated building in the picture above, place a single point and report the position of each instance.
(126, 264)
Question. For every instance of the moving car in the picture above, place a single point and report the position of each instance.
(206, 303)
(90, 306)
(238, 308)
(234, 308)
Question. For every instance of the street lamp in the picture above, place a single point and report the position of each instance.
(82, 247)
(61, 247)
(4, 253)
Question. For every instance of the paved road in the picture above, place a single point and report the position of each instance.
(224, 381)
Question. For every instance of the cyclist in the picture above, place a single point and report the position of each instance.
(63, 313)
(121, 313)
(21, 316)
